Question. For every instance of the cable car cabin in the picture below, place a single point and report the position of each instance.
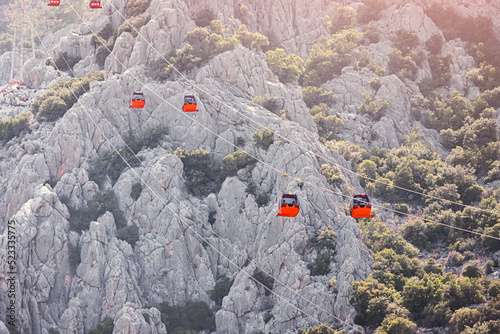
(95, 4)
(189, 104)
(54, 3)
(138, 100)
(288, 205)
(360, 206)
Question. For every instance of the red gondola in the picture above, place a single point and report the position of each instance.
(288, 205)
(360, 206)
(54, 3)
(189, 104)
(137, 100)
(95, 4)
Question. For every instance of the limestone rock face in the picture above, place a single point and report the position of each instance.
(293, 24)
(170, 261)
(188, 241)
(121, 50)
(165, 31)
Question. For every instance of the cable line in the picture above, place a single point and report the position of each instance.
(279, 172)
(297, 144)
(188, 225)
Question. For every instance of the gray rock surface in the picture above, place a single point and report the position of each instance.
(179, 256)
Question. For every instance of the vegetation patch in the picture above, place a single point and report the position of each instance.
(264, 139)
(320, 264)
(129, 234)
(111, 164)
(106, 326)
(327, 57)
(202, 45)
(324, 238)
(266, 280)
(14, 126)
(328, 125)
(288, 68)
(221, 290)
(192, 315)
(136, 191)
(202, 176)
(314, 96)
(58, 99)
(74, 256)
(270, 102)
(375, 108)
(101, 202)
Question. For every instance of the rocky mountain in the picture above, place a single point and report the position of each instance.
(187, 241)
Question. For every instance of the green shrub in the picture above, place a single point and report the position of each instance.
(211, 217)
(403, 66)
(434, 44)
(324, 238)
(431, 267)
(265, 280)
(395, 325)
(251, 188)
(202, 45)
(64, 63)
(321, 329)
(253, 41)
(13, 127)
(270, 102)
(340, 18)
(136, 191)
(74, 256)
(441, 74)
(53, 108)
(332, 174)
(488, 266)
(203, 16)
(134, 24)
(58, 98)
(5, 43)
(129, 234)
(262, 199)
(328, 57)
(328, 125)
(264, 139)
(136, 7)
(101, 202)
(320, 265)
(405, 41)
(53, 331)
(371, 300)
(375, 108)
(197, 170)
(472, 271)
(240, 142)
(288, 68)
(110, 164)
(313, 96)
(220, 290)
(415, 231)
(364, 60)
(242, 13)
(375, 83)
(237, 160)
(181, 319)
(106, 326)
(370, 10)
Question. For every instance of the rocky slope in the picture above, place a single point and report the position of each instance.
(170, 262)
